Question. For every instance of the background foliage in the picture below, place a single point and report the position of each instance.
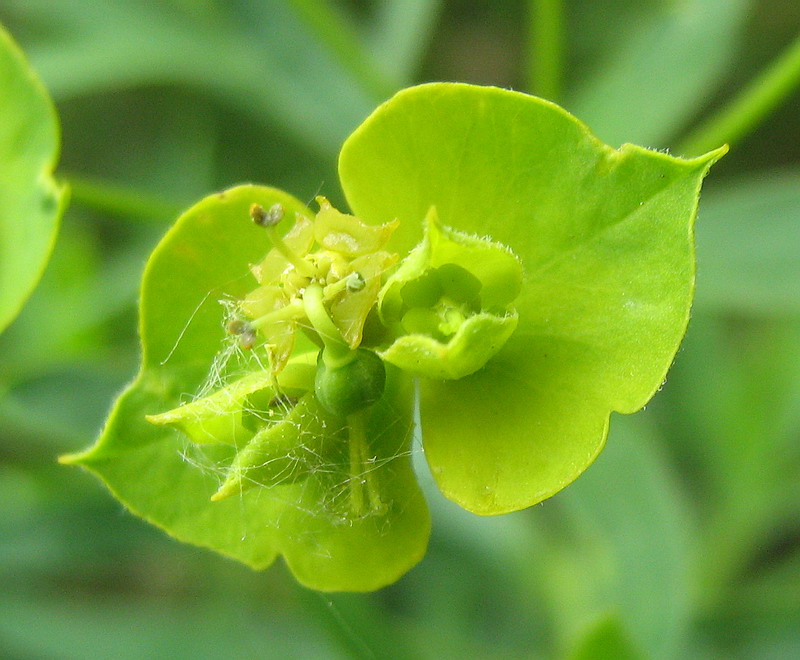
(682, 540)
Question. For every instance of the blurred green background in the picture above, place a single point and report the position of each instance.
(682, 541)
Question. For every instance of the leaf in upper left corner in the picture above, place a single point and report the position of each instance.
(31, 202)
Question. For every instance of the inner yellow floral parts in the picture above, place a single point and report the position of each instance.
(447, 310)
(348, 267)
(280, 421)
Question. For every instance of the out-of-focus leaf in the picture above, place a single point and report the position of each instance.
(661, 74)
(630, 552)
(94, 627)
(400, 35)
(736, 391)
(775, 590)
(749, 635)
(31, 202)
(619, 540)
(64, 406)
(607, 640)
(80, 291)
(748, 246)
(335, 30)
(256, 55)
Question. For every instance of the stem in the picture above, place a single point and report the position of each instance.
(546, 47)
(361, 475)
(120, 201)
(743, 114)
(355, 438)
(342, 41)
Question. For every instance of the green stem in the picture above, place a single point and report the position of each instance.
(337, 33)
(546, 47)
(120, 201)
(361, 474)
(355, 440)
(745, 112)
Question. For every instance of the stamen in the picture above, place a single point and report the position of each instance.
(353, 283)
(245, 331)
(248, 339)
(269, 220)
(236, 327)
(293, 310)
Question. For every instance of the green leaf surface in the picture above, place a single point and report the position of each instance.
(31, 202)
(606, 241)
(166, 480)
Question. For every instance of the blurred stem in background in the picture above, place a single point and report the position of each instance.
(748, 109)
(327, 25)
(545, 48)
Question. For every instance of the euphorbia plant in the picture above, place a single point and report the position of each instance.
(502, 268)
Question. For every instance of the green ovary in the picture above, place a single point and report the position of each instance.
(348, 388)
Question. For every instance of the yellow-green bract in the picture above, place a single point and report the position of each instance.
(605, 243)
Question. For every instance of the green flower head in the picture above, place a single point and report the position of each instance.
(503, 270)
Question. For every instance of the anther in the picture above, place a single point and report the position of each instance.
(268, 218)
(248, 339)
(236, 327)
(353, 283)
(245, 331)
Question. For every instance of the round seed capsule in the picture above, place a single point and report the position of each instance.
(351, 387)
